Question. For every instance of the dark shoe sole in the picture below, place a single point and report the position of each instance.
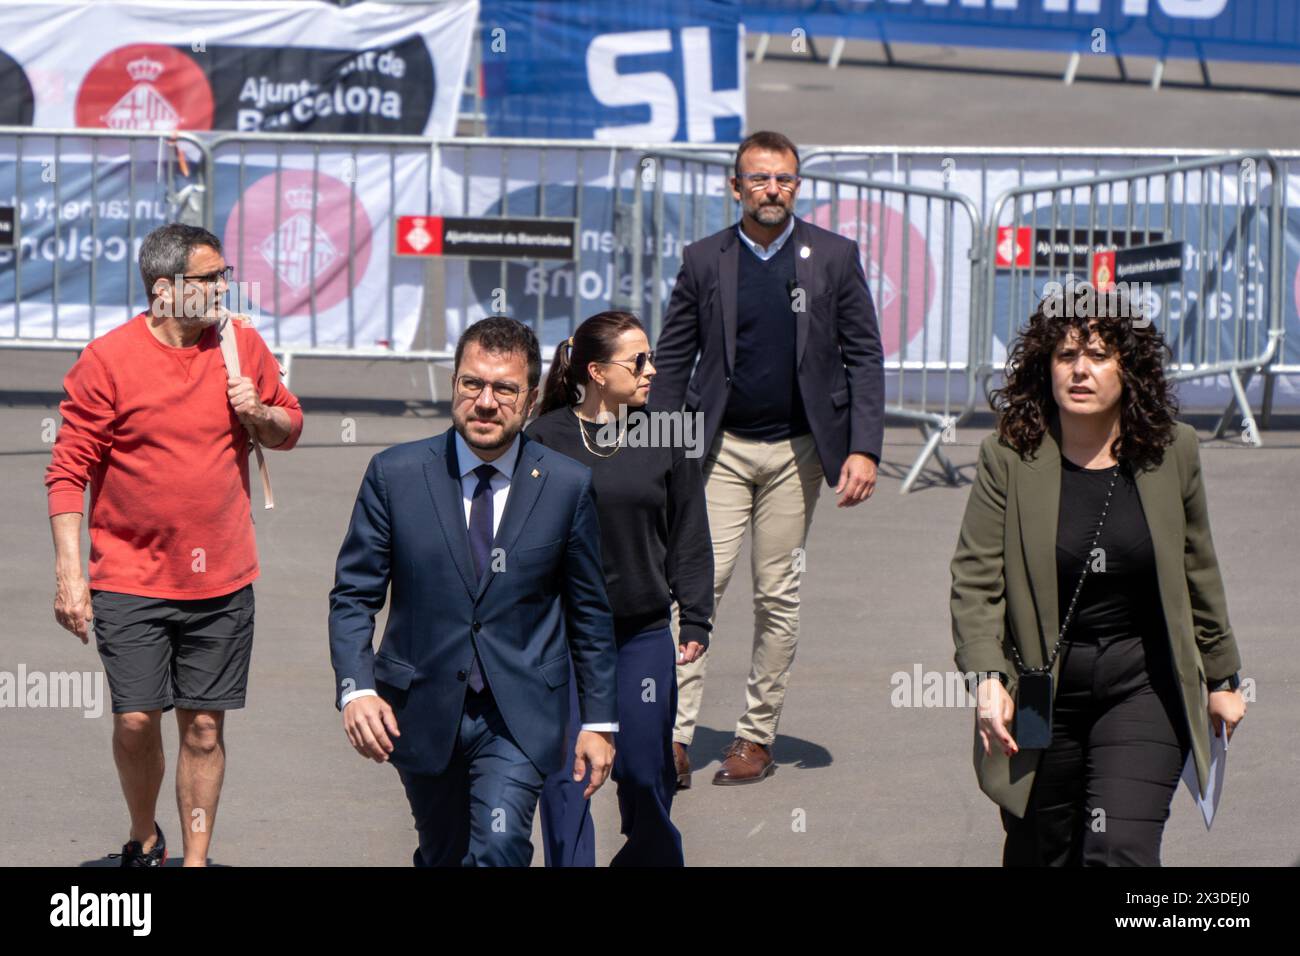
(720, 781)
(161, 838)
(162, 862)
(684, 781)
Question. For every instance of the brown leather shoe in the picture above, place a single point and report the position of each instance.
(683, 764)
(744, 762)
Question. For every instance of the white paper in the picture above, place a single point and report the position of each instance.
(1218, 766)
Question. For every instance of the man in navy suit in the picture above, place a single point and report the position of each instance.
(492, 549)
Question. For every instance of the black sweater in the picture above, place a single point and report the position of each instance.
(764, 402)
(654, 528)
(1123, 601)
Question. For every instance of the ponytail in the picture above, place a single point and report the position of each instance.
(557, 391)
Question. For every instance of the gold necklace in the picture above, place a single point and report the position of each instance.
(618, 445)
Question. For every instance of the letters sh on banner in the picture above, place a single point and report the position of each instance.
(487, 237)
(670, 71)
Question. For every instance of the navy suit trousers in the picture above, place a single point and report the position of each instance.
(479, 812)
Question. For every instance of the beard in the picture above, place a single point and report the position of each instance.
(770, 214)
(505, 436)
(201, 321)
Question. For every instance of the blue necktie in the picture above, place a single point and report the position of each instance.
(480, 544)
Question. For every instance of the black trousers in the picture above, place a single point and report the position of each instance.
(1119, 741)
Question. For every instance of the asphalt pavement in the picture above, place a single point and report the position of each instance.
(859, 780)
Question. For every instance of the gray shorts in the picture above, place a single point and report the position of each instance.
(161, 653)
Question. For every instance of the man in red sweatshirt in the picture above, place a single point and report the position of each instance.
(160, 432)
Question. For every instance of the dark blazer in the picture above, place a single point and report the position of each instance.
(840, 363)
(1004, 586)
(408, 530)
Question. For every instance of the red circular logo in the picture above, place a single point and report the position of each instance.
(299, 254)
(145, 86)
(880, 246)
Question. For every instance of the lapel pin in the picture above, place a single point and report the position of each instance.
(536, 473)
(805, 252)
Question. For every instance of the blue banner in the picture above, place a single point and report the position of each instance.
(75, 237)
(1260, 30)
(672, 71)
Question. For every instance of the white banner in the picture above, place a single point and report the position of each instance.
(274, 66)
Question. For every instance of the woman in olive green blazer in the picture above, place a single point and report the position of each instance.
(1100, 400)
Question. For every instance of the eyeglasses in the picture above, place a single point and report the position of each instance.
(505, 393)
(212, 277)
(638, 361)
(756, 181)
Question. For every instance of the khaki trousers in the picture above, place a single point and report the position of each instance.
(772, 486)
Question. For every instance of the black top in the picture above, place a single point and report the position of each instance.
(1124, 599)
(654, 528)
(764, 403)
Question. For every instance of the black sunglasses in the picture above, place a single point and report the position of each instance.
(639, 361)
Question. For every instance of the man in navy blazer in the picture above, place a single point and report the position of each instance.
(771, 337)
(491, 546)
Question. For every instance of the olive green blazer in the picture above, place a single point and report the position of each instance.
(1004, 586)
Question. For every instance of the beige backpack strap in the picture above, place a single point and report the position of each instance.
(226, 335)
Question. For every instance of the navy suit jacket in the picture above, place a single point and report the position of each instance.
(542, 603)
(839, 362)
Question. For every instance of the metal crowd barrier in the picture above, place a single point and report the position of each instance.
(298, 249)
(917, 246)
(578, 179)
(1289, 160)
(904, 164)
(945, 272)
(565, 178)
(116, 164)
(568, 179)
(1228, 209)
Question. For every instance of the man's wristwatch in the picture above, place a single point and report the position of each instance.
(1227, 683)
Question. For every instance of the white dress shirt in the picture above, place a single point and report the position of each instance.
(772, 249)
(500, 485)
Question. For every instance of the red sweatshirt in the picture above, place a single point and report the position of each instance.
(150, 428)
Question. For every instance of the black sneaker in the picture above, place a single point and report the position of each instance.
(132, 855)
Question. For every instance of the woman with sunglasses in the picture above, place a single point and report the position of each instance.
(654, 538)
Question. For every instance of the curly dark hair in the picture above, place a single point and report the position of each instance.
(1025, 404)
